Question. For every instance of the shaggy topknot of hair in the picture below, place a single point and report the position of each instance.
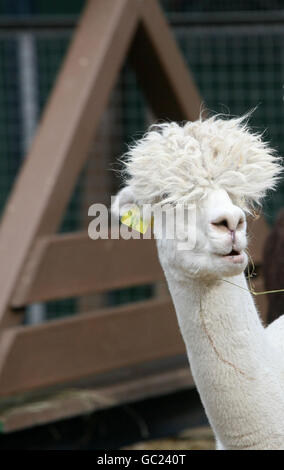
(176, 163)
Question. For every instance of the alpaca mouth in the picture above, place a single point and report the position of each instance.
(233, 253)
(235, 256)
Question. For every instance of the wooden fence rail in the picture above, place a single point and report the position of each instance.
(72, 265)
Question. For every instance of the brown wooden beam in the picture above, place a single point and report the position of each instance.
(77, 347)
(72, 265)
(76, 401)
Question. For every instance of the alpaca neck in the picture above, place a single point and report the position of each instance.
(227, 350)
(217, 313)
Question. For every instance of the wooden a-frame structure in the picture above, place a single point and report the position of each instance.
(39, 265)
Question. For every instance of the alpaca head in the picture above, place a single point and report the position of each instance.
(216, 167)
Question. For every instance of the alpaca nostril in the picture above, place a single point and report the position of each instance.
(221, 223)
(228, 223)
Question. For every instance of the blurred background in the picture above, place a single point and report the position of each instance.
(234, 50)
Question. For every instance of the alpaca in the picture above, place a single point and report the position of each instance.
(274, 268)
(224, 169)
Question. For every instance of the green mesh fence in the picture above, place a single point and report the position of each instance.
(235, 67)
(10, 148)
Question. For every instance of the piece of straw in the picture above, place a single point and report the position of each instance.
(251, 288)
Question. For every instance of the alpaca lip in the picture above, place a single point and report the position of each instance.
(235, 256)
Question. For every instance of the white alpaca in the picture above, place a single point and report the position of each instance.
(236, 363)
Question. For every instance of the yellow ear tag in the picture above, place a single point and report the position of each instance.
(133, 218)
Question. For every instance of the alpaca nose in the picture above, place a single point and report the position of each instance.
(229, 220)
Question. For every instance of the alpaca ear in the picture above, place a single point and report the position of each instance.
(122, 202)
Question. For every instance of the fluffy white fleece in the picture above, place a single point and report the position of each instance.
(179, 163)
